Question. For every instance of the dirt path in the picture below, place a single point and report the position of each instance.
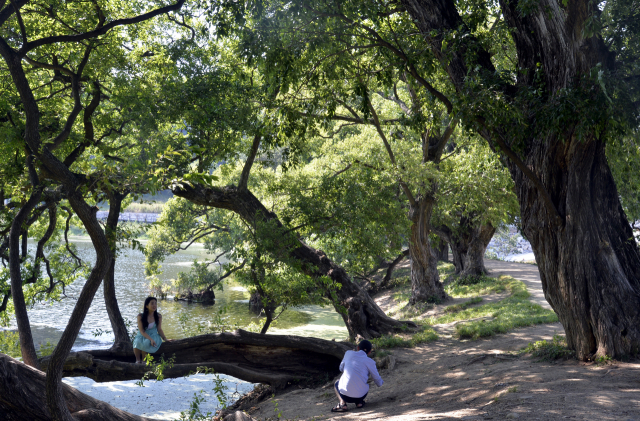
(523, 271)
(481, 380)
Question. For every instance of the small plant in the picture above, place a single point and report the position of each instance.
(156, 370)
(603, 360)
(46, 349)
(195, 413)
(275, 406)
(100, 332)
(512, 389)
(219, 387)
(555, 349)
(10, 343)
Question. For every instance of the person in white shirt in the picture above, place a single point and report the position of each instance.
(356, 366)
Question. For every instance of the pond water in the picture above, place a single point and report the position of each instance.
(232, 304)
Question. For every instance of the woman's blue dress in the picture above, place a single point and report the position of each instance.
(144, 344)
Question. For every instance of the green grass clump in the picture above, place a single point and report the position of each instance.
(10, 344)
(426, 334)
(459, 307)
(512, 312)
(555, 349)
(480, 285)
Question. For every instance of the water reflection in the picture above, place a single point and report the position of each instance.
(48, 320)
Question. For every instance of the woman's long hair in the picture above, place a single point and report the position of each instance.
(145, 313)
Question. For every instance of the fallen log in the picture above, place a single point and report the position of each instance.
(271, 359)
(22, 397)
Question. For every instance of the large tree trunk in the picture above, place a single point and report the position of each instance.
(22, 397)
(360, 313)
(425, 280)
(271, 359)
(589, 265)
(469, 242)
(120, 332)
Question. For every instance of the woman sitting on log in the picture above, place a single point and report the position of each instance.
(150, 334)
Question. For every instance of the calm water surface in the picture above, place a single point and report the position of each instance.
(49, 319)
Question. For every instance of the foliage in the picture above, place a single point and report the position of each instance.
(156, 370)
(544, 350)
(46, 349)
(10, 343)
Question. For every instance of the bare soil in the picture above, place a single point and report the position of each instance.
(485, 379)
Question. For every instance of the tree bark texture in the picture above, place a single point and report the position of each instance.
(425, 280)
(571, 213)
(271, 359)
(27, 347)
(468, 242)
(361, 314)
(120, 332)
(22, 397)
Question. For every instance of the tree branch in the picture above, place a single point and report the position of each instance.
(99, 31)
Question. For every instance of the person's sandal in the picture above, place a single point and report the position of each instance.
(339, 408)
(361, 404)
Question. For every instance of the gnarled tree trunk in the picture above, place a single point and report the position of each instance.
(468, 245)
(425, 280)
(589, 266)
(362, 316)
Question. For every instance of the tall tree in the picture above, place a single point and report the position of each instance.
(572, 86)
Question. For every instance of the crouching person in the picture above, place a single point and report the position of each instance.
(356, 366)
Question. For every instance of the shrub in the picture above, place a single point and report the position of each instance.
(555, 349)
(10, 343)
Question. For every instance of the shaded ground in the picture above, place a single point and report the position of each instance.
(452, 379)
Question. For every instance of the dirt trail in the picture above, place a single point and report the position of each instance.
(481, 380)
(525, 272)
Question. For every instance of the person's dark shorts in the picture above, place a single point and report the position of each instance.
(349, 399)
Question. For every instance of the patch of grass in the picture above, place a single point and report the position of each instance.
(512, 312)
(555, 349)
(10, 343)
(459, 307)
(473, 286)
(425, 335)
(513, 389)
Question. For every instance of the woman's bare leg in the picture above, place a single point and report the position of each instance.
(138, 355)
(144, 354)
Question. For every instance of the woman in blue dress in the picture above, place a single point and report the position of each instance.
(150, 334)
